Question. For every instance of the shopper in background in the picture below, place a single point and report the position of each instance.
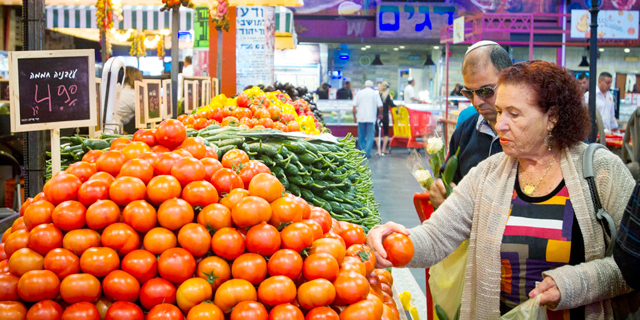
(365, 107)
(583, 81)
(476, 137)
(527, 212)
(383, 118)
(410, 93)
(126, 108)
(345, 92)
(323, 91)
(604, 102)
(456, 91)
(187, 71)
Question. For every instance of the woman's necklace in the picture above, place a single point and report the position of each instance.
(529, 188)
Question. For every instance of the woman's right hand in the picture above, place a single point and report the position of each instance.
(375, 237)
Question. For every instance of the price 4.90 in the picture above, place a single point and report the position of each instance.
(67, 93)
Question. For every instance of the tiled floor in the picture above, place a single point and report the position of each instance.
(394, 187)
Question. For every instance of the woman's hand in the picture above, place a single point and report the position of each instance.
(375, 237)
(438, 193)
(548, 291)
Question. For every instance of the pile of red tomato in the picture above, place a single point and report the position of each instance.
(254, 116)
(158, 228)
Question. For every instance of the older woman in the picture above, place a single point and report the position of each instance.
(527, 212)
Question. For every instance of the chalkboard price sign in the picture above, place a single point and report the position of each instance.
(153, 112)
(52, 89)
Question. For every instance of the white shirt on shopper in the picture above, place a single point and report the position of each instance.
(409, 94)
(186, 72)
(606, 107)
(126, 108)
(367, 102)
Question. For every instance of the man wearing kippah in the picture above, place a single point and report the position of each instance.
(476, 137)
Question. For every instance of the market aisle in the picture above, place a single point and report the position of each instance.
(394, 187)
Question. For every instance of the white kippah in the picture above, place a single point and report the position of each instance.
(479, 44)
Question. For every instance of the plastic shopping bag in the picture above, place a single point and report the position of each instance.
(446, 282)
(529, 310)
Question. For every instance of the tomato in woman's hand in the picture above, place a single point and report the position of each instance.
(37, 213)
(277, 290)
(62, 187)
(70, 215)
(176, 265)
(62, 262)
(285, 262)
(25, 260)
(124, 190)
(322, 313)
(251, 267)
(91, 156)
(350, 288)
(225, 180)
(231, 199)
(9, 287)
(250, 211)
(123, 310)
(157, 291)
(249, 310)
(194, 238)
(215, 216)
(11, 310)
(162, 188)
(16, 241)
(192, 292)
(320, 266)
(171, 133)
(140, 215)
(188, 170)
(101, 214)
(45, 238)
(78, 241)
(38, 285)
(353, 234)
(286, 311)
(263, 239)
(158, 240)
(121, 238)
(83, 170)
(165, 311)
(215, 270)
(111, 162)
(99, 261)
(233, 292)
(266, 186)
(80, 287)
(141, 264)
(137, 168)
(205, 311)
(200, 193)
(163, 164)
(399, 249)
(119, 285)
(45, 310)
(296, 236)
(228, 243)
(316, 293)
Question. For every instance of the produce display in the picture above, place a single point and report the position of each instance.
(160, 227)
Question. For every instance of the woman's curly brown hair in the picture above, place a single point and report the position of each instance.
(557, 93)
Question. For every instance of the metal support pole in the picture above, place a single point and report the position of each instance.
(175, 59)
(34, 142)
(446, 94)
(219, 59)
(103, 46)
(593, 62)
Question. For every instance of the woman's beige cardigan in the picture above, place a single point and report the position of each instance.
(478, 210)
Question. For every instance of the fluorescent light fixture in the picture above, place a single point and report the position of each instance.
(627, 50)
(401, 47)
(601, 49)
(395, 49)
(436, 47)
(363, 49)
(367, 47)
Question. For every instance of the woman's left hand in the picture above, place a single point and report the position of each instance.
(548, 291)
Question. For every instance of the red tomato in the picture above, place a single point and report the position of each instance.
(251, 267)
(364, 310)
(211, 153)
(120, 237)
(232, 199)
(38, 285)
(83, 170)
(123, 310)
(157, 291)
(162, 188)
(62, 262)
(277, 290)
(159, 149)
(9, 287)
(175, 213)
(101, 214)
(215, 270)
(242, 100)
(146, 136)
(192, 292)
(171, 133)
(81, 310)
(233, 292)
(315, 227)
(331, 246)
(263, 239)
(157, 240)
(234, 158)
(250, 211)
(399, 249)
(205, 311)
(124, 190)
(195, 146)
(188, 170)
(149, 157)
(215, 217)
(80, 287)
(141, 264)
(316, 293)
(176, 265)
(320, 266)
(3, 254)
(62, 187)
(285, 210)
(121, 286)
(322, 313)
(92, 155)
(39, 212)
(134, 149)
(225, 180)
(353, 234)
(11, 310)
(296, 236)
(140, 215)
(45, 238)
(250, 170)
(249, 310)
(78, 241)
(137, 168)
(104, 177)
(322, 217)
(25, 260)
(200, 193)
(285, 262)
(45, 310)
(228, 243)
(211, 165)
(286, 311)
(70, 215)
(350, 288)
(119, 143)
(194, 238)
(16, 241)
(364, 253)
(99, 261)
(165, 311)
(163, 164)
(111, 162)
(266, 186)
(24, 206)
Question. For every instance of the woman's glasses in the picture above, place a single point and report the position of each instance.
(483, 93)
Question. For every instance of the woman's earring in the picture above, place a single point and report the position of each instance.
(548, 140)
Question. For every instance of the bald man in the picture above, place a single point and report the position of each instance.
(476, 137)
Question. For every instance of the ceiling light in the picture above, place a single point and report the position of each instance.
(627, 50)
(376, 61)
(395, 49)
(363, 49)
(584, 62)
(436, 47)
(401, 47)
(367, 47)
(601, 49)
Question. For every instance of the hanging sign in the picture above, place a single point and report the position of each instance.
(255, 46)
(412, 20)
(612, 24)
(201, 28)
(458, 30)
